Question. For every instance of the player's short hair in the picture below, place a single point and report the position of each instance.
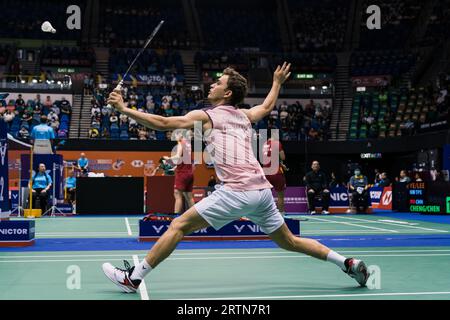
(237, 84)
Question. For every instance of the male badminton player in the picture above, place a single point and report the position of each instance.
(246, 190)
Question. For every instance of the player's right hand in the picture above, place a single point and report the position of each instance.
(115, 99)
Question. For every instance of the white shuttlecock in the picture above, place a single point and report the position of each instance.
(47, 27)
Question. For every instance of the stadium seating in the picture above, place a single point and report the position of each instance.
(311, 23)
(394, 113)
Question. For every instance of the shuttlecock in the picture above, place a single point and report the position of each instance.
(47, 27)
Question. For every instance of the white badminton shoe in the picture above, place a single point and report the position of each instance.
(121, 277)
(357, 270)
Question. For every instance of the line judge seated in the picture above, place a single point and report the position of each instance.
(317, 185)
(41, 183)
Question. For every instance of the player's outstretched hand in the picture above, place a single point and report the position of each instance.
(282, 73)
(115, 99)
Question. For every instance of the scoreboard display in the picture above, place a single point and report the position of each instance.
(429, 197)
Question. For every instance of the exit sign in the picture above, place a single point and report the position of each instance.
(304, 76)
(447, 202)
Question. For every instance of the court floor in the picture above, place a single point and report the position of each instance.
(411, 259)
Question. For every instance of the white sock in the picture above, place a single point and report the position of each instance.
(337, 259)
(141, 270)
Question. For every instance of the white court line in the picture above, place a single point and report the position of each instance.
(398, 225)
(142, 286)
(232, 257)
(222, 253)
(327, 296)
(80, 232)
(127, 223)
(357, 225)
(399, 222)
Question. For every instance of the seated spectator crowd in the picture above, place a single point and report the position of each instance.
(21, 117)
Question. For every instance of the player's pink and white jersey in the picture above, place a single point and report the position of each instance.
(229, 145)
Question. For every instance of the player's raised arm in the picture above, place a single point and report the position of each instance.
(280, 75)
(156, 122)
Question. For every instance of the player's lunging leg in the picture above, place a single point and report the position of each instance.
(284, 238)
(129, 279)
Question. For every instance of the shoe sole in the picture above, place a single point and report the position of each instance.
(126, 289)
(362, 267)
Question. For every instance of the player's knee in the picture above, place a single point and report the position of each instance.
(179, 225)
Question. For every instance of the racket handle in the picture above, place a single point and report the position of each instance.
(117, 89)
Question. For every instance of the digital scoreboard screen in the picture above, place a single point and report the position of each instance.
(429, 198)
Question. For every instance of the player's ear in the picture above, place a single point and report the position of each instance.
(228, 94)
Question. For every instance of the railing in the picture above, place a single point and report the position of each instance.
(32, 82)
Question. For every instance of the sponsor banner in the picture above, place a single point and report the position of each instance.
(126, 163)
(371, 81)
(65, 208)
(296, 201)
(386, 199)
(434, 126)
(11, 231)
(149, 79)
(14, 199)
(375, 194)
(236, 230)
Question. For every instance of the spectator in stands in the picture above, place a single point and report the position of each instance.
(113, 119)
(48, 102)
(54, 124)
(95, 110)
(403, 177)
(317, 185)
(93, 133)
(65, 106)
(9, 117)
(52, 116)
(20, 101)
(83, 164)
(23, 133)
(334, 183)
(56, 109)
(123, 119)
(37, 100)
(71, 185)
(27, 118)
(384, 180)
(417, 177)
(41, 182)
(142, 133)
(86, 89)
(152, 135)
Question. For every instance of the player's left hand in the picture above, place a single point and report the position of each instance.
(282, 73)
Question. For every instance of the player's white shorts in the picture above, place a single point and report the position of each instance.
(224, 206)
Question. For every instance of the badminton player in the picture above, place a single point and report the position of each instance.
(277, 179)
(246, 190)
(184, 173)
